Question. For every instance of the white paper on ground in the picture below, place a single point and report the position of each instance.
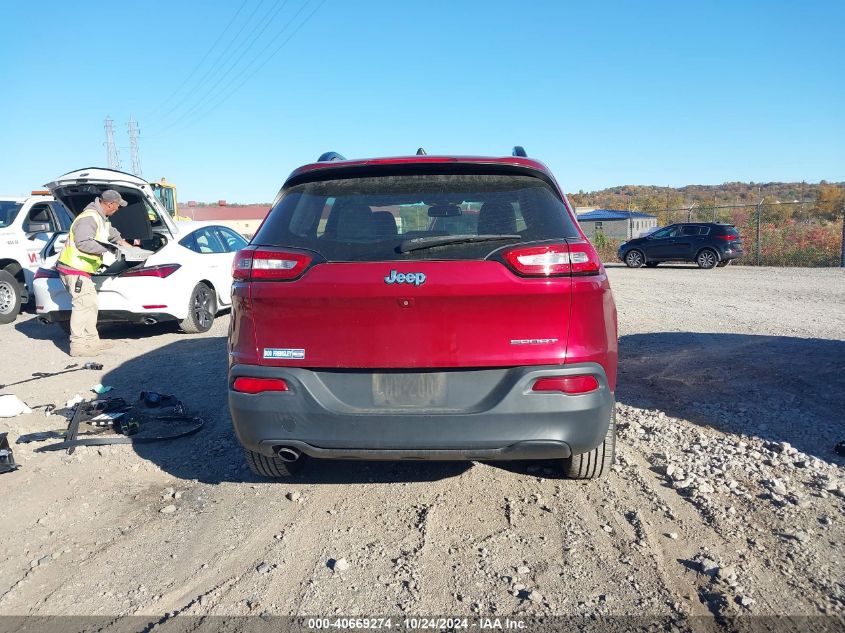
(73, 401)
(10, 406)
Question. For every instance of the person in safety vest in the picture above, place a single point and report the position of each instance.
(82, 257)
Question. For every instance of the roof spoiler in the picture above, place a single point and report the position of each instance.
(330, 156)
(518, 150)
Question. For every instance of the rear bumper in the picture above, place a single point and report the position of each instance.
(498, 417)
(109, 316)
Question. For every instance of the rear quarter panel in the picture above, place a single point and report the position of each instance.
(593, 330)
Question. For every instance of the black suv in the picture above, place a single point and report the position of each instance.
(706, 244)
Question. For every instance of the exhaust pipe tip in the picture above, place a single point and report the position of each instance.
(149, 321)
(43, 321)
(288, 454)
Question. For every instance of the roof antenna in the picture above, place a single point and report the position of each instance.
(519, 150)
(421, 152)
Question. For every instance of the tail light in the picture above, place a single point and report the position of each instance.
(259, 385)
(727, 238)
(571, 385)
(261, 264)
(578, 258)
(165, 270)
(585, 260)
(46, 273)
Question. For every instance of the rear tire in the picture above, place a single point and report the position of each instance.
(634, 259)
(272, 466)
(10, 297)
(202, 307)
(594, 463)
(707, 259)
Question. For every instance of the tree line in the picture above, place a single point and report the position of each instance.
(821, 201)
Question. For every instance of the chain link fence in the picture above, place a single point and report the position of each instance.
(773, 234)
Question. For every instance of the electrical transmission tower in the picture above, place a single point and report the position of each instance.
(133, 147)
(111, 147)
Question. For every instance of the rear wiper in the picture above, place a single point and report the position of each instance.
(420, 243)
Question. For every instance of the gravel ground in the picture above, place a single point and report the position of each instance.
(727, 497)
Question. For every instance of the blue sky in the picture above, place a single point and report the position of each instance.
(606, 93)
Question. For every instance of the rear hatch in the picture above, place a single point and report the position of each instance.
(731, 236)
(377, 271)
(142, 219)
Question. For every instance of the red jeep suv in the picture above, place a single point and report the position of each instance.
(422, 307)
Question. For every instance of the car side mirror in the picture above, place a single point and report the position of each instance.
(38, 227)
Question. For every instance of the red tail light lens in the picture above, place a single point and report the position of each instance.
(165, 270)
(554, 259)
(571, 385)
(539, 261)
(46, 273)
(269, 265)
(585, 260)
(259, 385)
(727, 238)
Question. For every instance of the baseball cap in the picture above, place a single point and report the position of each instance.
(110, 195)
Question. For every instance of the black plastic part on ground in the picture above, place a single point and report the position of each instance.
(105, 440)
(7, 459)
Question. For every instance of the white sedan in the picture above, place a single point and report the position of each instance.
(186, 276)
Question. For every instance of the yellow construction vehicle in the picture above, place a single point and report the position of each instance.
(166, 194)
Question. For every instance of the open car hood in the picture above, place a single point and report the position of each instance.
(137, 220)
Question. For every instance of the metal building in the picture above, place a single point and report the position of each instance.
(616, 224)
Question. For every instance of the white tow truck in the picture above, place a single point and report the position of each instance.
(26, 225)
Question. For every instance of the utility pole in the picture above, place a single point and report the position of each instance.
(133, 147)
(112, 155)
(803, 188)
(759, 234)
(843, 234)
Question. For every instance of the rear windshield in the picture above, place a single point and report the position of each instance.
(8, 212)
(454, 216)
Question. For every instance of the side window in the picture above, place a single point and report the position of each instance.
(231, 240)
(521, 224)
(704, 230)
(325, 211)
(152, 214)
(40, 214)
(309, 215)
(190, 242)
(208, 242)
(62, 215)
(669, 231)
(690, 230)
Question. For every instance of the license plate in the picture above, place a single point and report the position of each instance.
(409, 390)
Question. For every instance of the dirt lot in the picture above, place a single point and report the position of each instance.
(727, 497)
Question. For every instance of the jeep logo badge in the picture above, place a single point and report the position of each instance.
(417, 279)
